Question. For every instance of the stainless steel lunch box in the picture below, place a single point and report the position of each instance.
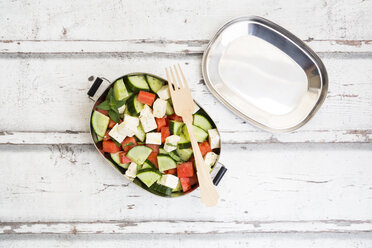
(97, 92)
(264, 74)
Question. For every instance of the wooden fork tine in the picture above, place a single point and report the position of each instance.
(178, 77)
(174, 79)
(171, 89)
(183, 77)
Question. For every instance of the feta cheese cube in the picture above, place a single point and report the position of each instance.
(146, 111)
(121, 109)
(160, 107)
(214, 138)
(116, 134)
(148, 123)
(132, 170)
(171, 143)
(126, 132)
(169, 180)
(153, 138)
(131, 122)
(163, 93)
(210, 159)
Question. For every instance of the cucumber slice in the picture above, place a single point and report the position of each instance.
(161, 189)
(134, 106)
(100, 123)
(154, 83)
(136, 83)
(116, 158)
(184, 142)
(148, 164)
(120, 91)
(175, 127)
(140, 134)
(166, 163)
(202, 122)
(148, 176)
(99, 138)
(169, 110)
(185, 154)
(162, 151)
(178, 188)
(174, 156)
(200, 134)
(139, 154)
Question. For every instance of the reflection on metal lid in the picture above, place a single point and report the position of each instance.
(264, 74)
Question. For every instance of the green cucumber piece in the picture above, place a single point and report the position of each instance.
(162, 151)
(148, 164)
(140, 134)
(175, 127)
(100, 123)
(148, 176)
(165, 162)
(162, 189)
(202, 122)
(200, 134)
(169, 110)
(184, 142)
(154, 83)
(120, 91)
(116, 158)
(139, 154)
(178, 188)
(185, 154)
(134, 106)
(174, 155)
(136, 83)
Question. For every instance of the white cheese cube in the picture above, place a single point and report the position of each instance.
(126, 132)
(210, 159)
(163, 93)
(116, 134)
(129, 178)
(160, 107)
(153, 138)
(132, 170)
(214, 138)
(131, 122)
(148, 123)
(121, 109)
(146, 111)
(171, 143)
(169, 180)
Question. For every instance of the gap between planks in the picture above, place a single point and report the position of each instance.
(228, 137)
(144, 46)
(186, 227)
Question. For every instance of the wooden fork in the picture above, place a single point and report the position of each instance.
(184, 106)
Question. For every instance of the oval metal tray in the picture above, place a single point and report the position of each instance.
(264, 74)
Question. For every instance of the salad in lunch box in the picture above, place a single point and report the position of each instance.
(135, 127)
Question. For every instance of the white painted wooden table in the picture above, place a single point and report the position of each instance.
(309, 188)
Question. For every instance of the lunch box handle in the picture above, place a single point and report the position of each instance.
(93, 89)
(96, 85)
(221, 172)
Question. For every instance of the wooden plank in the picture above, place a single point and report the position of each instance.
(146, 46)
(182, 227)
(314, 188)
(60, 93)
(228, 137)
(186, 240)
(191, 20)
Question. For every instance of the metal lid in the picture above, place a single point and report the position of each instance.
(264, 74)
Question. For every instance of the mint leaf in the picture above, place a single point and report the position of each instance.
(116, 143)
(114, 115)
(104, 106)
(128, 144)
(118, 104)
(110, 94)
